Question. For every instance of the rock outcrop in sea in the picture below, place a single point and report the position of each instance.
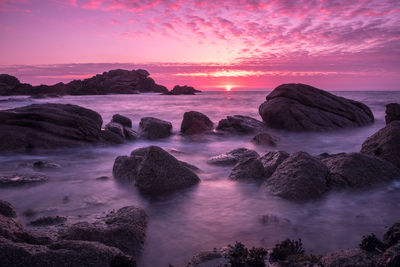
(182, 90)
(196, 123)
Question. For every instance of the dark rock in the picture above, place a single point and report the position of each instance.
(21, 179)
(48, 220)
(271, 161)
(233, 157)
(130, 134)
(115, 128)
(46, 126)
(7, 210)
(264, 139)
(358, 170)
(271, 219)
(385, 143)
(249, 169)
(392, 112)
(124, 229)
(103, 178)
(299, 177)
(10, 85)
(391, 257)
(238, 124)
(195, 123)
(350, 257)
(300, 107)
(111, 137)
(29, 213)
(9, 227)
(152, 128)
(182, 90)
(392, 236)
(211, 258)
(154, 171)
(124, 121)
(45, 165)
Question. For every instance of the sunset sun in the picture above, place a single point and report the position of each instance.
(228, 88)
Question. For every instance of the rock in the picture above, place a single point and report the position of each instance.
(385, 143)
(182, 90)
(10, 85)
(21, 179)
(7, 210)
(103, 178)
(48, 220)
(152, 128)
(391, 257)
(115, 128)
(299, 177)
(264, 139)
(248, 170)
(271, 161)
(271, 219)
(154, 171)
(356, 170)
(238, 124)
(110, 137)
(392, 236)
(124, 121)
(45, 165)
(233, 157)
(350, 257)
(46, 126)
(130, 134)
(124, 229)
(300, 107)
(195, 123)
(392, 112)
(211, 258)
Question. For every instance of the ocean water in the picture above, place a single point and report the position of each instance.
(217, 211)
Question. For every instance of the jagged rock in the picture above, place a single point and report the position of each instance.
(45, 126)
(264, 139)
(182, 90)
(392, 112)
(124, 121)
(300, 107)
(21, 179)
(195, 123)
(153, 128)
(249, 169)
(48, 220)
(299, 177)
(271, 161)
(233, 157)
(239, 124)
(385, 143)
(7, 210)
(154, 171)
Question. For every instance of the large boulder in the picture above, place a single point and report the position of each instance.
(124, 121)
(153, 128)
(239, 124)
(45, 126)
(195, 123)
(271, 160)
(300, 107)
(299, 177)
(385, 143)
(182, 90)
(10, 85)
(250, 169)
(232, 157)
(356, 170)
(392, 112)
(154, 171)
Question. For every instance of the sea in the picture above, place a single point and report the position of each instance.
(217, 211)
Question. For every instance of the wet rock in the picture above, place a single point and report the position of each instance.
(264, 139)
(300, 107)
(385, 143)
(7, 210)
(153, 128)
(21, 179)
(391, 257)
(271, 161)
(358, 170)
(154, 171)
(46, 165)
(48, 220)
(195, 123)
(115, 128)
(392, 112)
(111, 137)
(249, 169)
(47, 126)
(233, 157)
(124, 121)
(299, 177)
(9, 227)
(182, 90)
(350, 257)
(238, 124)
(392, 236)
(130, 134)
(124, 229)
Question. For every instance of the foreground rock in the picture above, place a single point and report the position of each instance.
(154, 171)
(122, 120)
(153, 128)
(233, 157)
(300, 107)
(117, 81)
(119, 130)
(299, 177)
(21, 179)
(250, 169)
(264, 139)
(392, 112)
(45, 126)
(196, 123)
(7, 210)
(271, 160)
(239, 124)
(385, 143)
(182, 90)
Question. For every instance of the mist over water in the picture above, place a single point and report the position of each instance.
(217, 211)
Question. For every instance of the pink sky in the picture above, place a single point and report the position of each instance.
(331, 44)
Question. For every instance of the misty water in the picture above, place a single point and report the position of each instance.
(217, 211)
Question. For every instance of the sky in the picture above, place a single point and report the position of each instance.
(238, 44)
